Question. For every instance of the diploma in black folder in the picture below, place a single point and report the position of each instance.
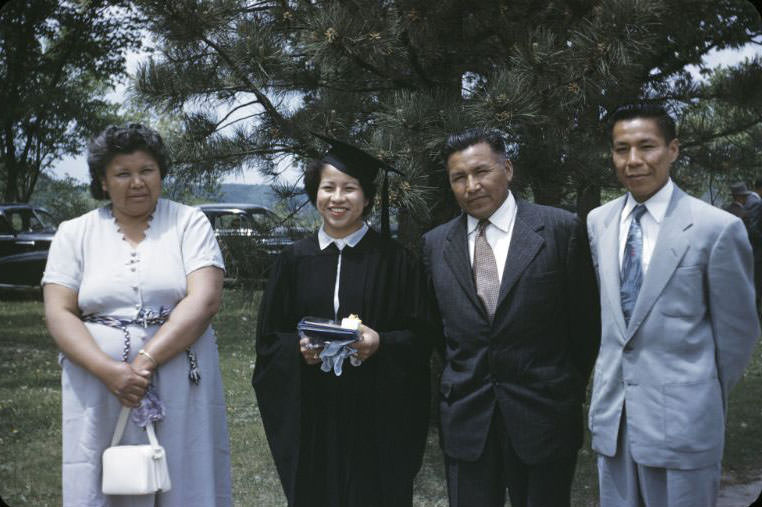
(320, 331)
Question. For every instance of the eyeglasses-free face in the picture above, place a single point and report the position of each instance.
(133, 183)
(340, 201)
(479, 179)
(641, 156)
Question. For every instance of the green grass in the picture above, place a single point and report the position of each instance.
(30, 420)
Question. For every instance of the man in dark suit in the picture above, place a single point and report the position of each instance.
(519, 309)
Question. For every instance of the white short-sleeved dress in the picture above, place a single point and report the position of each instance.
(90, 256)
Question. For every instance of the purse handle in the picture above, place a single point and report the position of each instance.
(121, 423)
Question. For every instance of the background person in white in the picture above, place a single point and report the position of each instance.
(661, 381)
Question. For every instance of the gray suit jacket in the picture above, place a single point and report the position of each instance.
(533, 361)
(690, 336)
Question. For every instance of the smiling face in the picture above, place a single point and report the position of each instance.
(340, 201)
(641, 156)
(133, 182)
(479, 179)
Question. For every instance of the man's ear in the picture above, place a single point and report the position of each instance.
(674, 149)
(509, 170)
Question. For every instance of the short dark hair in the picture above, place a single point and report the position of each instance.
(644, 110)
(113, 141)
(313, 172)
(461, 140)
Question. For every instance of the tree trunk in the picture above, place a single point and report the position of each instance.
(11, 183)
(588, 198)
(547, 192)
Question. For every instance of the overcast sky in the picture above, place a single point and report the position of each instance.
(77, 166)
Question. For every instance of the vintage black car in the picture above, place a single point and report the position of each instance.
(250, 238)
(25, 235)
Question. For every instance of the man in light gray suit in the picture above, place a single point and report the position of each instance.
(678, 324)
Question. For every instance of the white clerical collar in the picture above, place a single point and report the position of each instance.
(501, 218)
(656, 205)
(324, 239)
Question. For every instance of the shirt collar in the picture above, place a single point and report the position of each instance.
(324, 239)
(501, 218)
(656, 205)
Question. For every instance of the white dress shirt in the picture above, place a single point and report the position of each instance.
(324, 240)
(650, 222)
(498, 232)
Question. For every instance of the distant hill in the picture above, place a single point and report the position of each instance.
(261, 195)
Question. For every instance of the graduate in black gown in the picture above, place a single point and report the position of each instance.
(357, 439)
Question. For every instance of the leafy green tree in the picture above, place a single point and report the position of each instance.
(64, 198)
(255, 77)
(57, 60)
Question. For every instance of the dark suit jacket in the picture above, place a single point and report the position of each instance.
(534, 360)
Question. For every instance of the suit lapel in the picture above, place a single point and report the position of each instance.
(525, 243)
(457, 258)
(671, 244)
(608, 260)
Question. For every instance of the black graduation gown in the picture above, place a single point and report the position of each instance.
(357, 439)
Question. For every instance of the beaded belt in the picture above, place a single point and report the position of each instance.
(146, 317)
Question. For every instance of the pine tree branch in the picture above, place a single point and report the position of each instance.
(265, 102)
(400, 83)
(239, 154)
(293, 213)
(242, 118)
(662, 74)
(329, 85)
(736, 129)
(414, 61)
(240, 106)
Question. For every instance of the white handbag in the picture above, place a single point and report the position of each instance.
(134, 469)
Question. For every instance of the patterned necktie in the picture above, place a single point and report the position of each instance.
(485, 271)
(632, 267)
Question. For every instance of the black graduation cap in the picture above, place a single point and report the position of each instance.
(361, 165)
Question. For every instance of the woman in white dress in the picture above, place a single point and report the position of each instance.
(130, 289)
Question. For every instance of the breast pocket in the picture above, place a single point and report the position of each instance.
(684, 295)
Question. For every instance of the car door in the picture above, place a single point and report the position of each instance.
(24, 242)
(7, 237)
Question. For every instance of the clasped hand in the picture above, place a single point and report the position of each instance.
(366, 346)
(128, 382)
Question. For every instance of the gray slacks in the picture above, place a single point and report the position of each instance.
(625, 483)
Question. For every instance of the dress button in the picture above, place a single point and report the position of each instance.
(134, 254)
(132, 269)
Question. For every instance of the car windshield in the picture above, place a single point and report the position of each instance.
(28, 220)
(46, 221)
(237, 220)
